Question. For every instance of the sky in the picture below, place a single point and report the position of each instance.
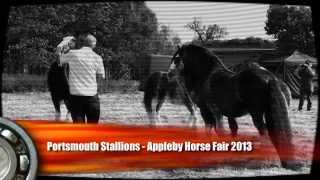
(241, 20)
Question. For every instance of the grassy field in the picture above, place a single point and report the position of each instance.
(127, 108)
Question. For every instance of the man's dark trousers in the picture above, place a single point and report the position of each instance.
(85, 106)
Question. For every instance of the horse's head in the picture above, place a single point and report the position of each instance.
(176, 65)
(195, 64)
(195, 61)
(65, 45)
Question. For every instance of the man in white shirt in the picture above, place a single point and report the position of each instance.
(84, 66)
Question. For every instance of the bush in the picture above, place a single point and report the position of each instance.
(118, 86)
(35, 83)
(23, 83)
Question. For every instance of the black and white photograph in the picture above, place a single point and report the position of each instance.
(224, 67)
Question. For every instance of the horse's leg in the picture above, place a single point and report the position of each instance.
(68, 115)
(309, 105)
(192, 117)
(151, 117)
(158, 107)
(209, 118)
(217, 116)
(162, 92)
(148, 102)
(57, 115)
(152, 114)
(301, 100)
(233, 125)
(161, 98)
(208, 128)
(219, 125)
(256, 110)
(205, 113)
(68, 106)
(56, 104)
(150, 111)
(257, 118)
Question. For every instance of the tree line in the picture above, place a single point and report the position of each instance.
(128, 32)
(290, 26)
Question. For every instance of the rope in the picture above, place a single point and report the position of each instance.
(186, 93)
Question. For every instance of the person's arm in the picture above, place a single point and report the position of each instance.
(65, 58)
(63, 48)
(297, 71)
(311, 72)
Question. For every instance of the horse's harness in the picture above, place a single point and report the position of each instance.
(182, 86)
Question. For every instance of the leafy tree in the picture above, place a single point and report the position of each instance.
(165, 41)
(206, 33)
(215, 32)
(292, 27)
(124, 31)
(164, 35)
(249, 42)
(176, 40)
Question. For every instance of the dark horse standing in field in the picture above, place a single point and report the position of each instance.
(58, 78)
(157, 88)
(58, 87)
(219, 91)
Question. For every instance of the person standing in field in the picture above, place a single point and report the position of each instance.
(306, 75)
(84, 66)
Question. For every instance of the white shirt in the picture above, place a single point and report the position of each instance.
(84, 65)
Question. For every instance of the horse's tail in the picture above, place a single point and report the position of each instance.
(278, 124)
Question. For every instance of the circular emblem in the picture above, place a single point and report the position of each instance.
(18, 155)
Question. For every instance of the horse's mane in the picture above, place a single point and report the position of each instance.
(200, 50)
(205, 54)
